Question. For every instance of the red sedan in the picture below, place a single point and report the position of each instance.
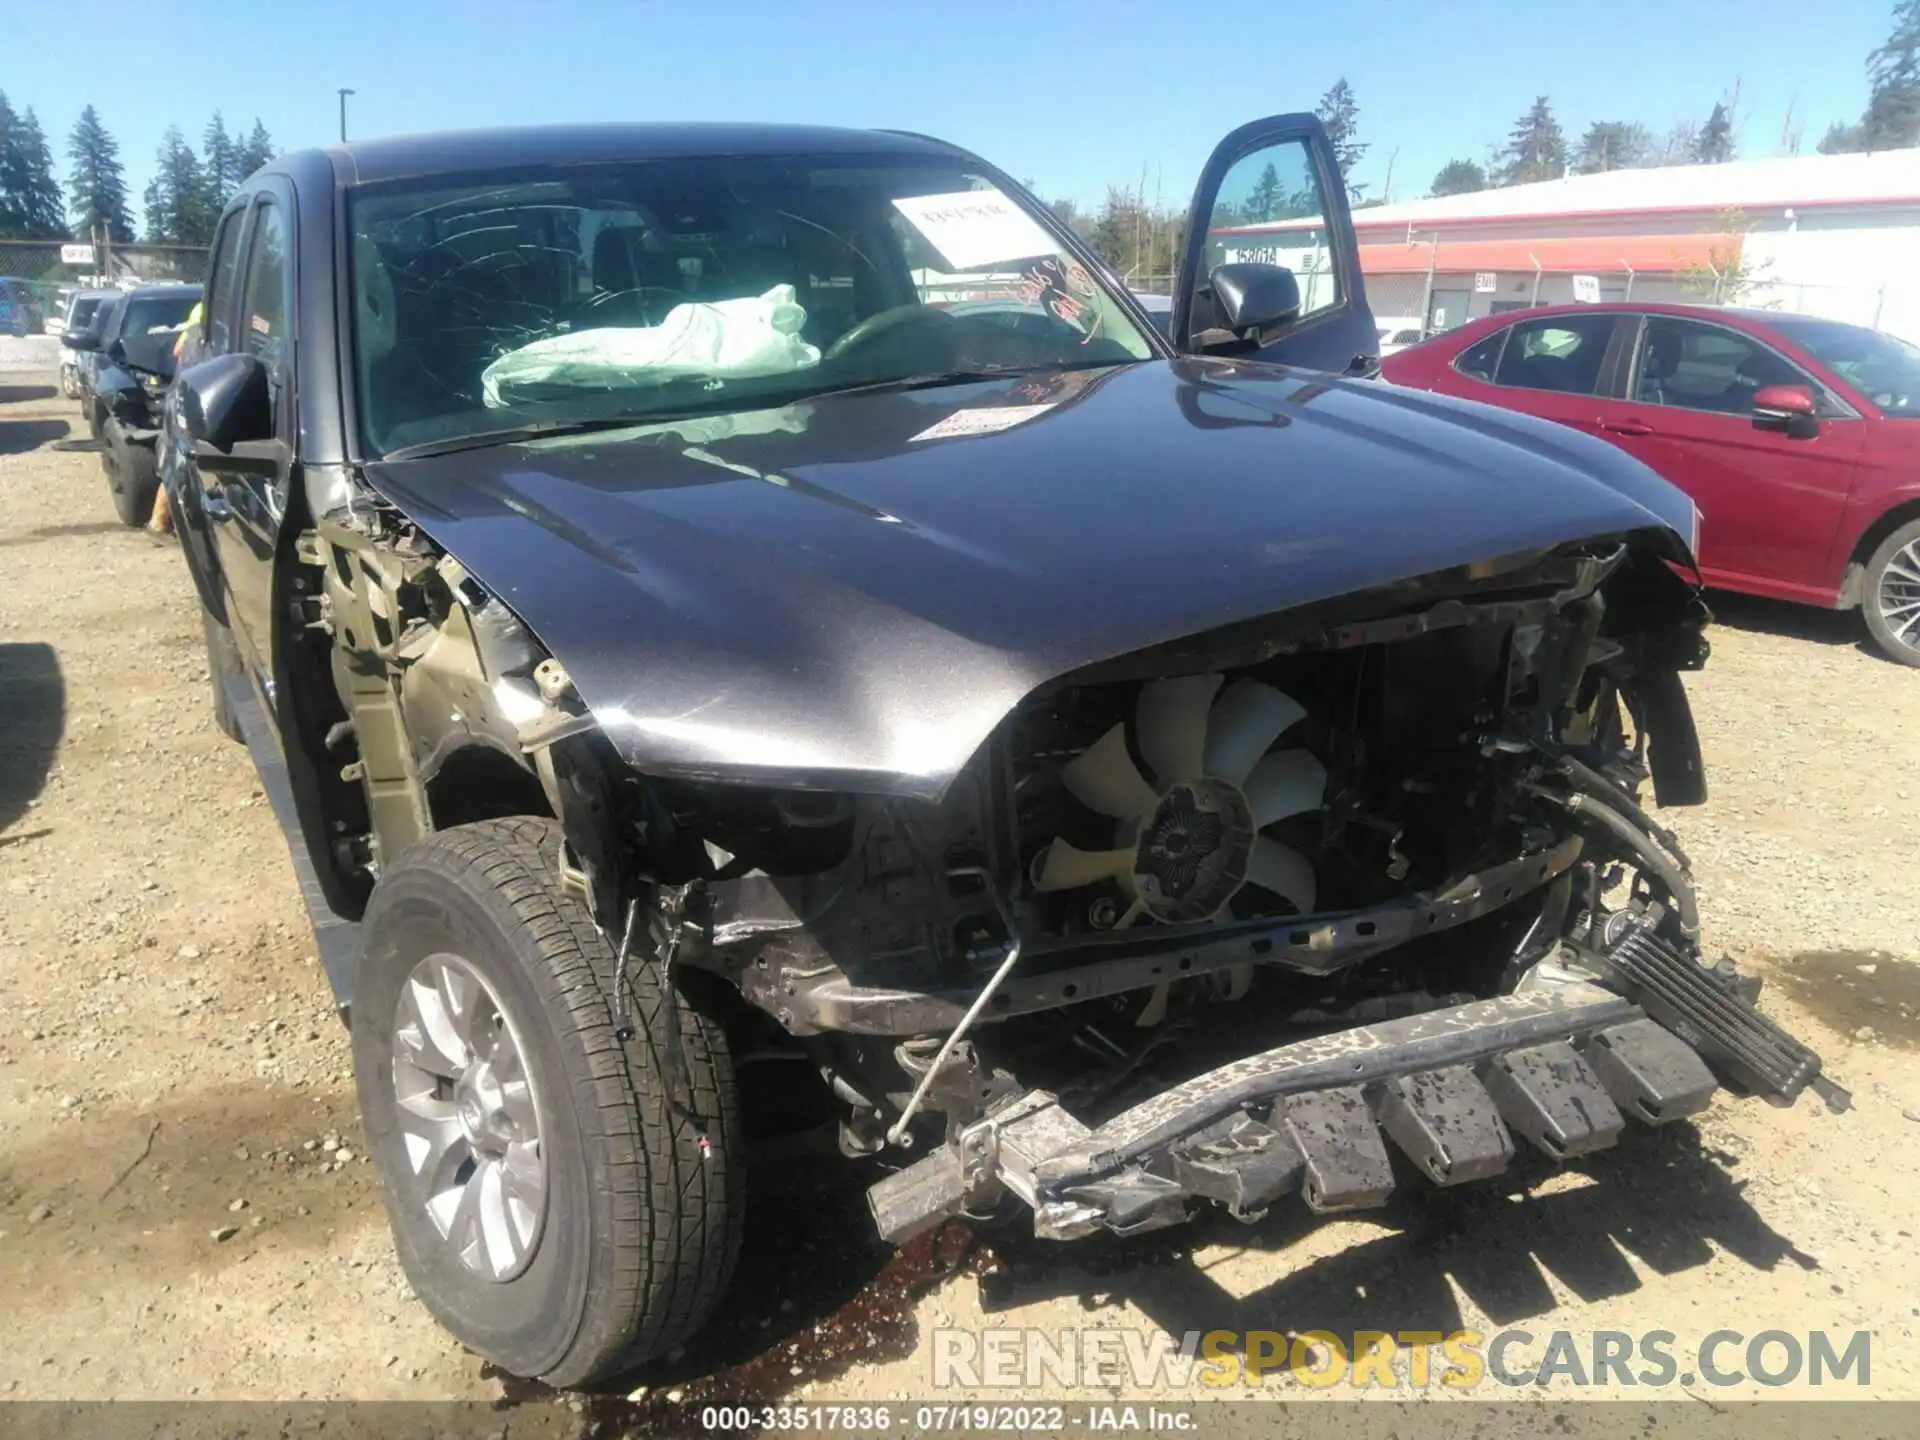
(1798, 438)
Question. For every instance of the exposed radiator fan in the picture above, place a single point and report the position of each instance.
(1187, 840)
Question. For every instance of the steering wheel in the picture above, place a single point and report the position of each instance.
(887, 323)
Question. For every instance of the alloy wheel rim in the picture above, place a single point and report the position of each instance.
(1898, 599)
(469, 1117)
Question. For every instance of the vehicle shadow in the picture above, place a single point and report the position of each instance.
(21, 394)
(17, 437)
(1658, 1196)
(817, 1293)
(33, 717)
(61, 532)
(1782, 617)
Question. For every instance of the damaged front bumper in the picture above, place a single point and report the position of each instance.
(1561, 1063)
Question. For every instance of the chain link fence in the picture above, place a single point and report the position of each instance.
(50, 276)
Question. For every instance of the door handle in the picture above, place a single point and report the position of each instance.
(1626, 427)
(214, 503)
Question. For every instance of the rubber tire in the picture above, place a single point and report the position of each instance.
(1877, 626)
(223, 664)
(133, 475)
(643, 1223)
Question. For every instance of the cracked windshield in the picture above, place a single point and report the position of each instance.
(655, 290)
(829, 716)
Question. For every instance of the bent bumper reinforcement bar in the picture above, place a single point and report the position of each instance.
(1314, 944)
(1560, 1066)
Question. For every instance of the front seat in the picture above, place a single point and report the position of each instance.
(1657, 367)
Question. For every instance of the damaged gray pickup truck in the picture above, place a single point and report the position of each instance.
(712, 603)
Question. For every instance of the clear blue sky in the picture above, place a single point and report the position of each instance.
(1071, 93)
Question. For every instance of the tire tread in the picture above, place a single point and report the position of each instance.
(666, 1266)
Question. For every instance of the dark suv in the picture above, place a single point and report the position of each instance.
(21, 312)
(131, 347)
(82, 308)
(746, 625)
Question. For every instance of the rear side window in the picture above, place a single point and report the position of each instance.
(268, 296)
(1479, 358)
(226, 260)
(1562, 353)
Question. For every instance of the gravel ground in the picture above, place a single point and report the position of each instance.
(185, 1211)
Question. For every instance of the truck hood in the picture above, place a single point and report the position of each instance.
(852, 591)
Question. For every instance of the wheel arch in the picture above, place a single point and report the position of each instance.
(411, 702)
(476, 780)
(306, 708)
(1853, 578)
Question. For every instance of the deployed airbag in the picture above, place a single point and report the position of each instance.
(723, 339)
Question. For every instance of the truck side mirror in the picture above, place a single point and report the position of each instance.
(226, 401)
(1253, 296)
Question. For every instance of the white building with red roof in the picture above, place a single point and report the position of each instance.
(1833, 235)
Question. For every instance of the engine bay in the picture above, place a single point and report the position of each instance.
(1204, 920)
(1366, 811)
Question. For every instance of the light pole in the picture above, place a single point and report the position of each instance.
(343, 115)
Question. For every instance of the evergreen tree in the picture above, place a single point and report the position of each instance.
(13, 219)
(1892, 120)
(222, 162)
(1843, 139)
(1459, 177)
(1116, 229)
(1536, 150)
(255, 151)
(1714, 144)
(30, 202)
(44, 207)
(1340, 113)
(178, 211)
(1612, 145)
(153, 212)
(1266, 200)
(98, 185)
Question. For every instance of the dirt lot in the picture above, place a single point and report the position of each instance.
(185, 1211)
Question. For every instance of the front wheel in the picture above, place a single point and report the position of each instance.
(133, 475)
(1891, 602)
(553, 1204)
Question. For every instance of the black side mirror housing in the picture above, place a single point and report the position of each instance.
(81, 340)
(226, 401)
(1252, 296)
